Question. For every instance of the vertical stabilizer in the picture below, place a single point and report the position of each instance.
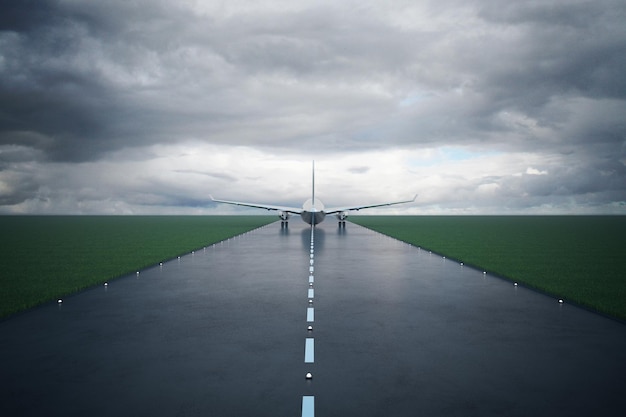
(313, 185)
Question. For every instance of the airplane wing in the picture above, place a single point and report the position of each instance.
(357, 208)
(293, 210)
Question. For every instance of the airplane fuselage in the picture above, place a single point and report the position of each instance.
(313, 212)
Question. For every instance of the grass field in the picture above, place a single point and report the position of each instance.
(577, 258)
(46, 257)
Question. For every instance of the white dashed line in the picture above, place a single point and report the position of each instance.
(308, 401)
(308, 406)
(309, 350)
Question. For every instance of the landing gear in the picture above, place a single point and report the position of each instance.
(341, 218)
(284, 219)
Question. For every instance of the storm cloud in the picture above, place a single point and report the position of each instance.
(148, 106)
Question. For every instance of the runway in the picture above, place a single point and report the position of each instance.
(396, 331)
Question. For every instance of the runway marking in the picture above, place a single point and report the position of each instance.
(308, 406)
(309, 350)
(308, 401)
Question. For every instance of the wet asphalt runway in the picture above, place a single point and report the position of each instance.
(396, 331)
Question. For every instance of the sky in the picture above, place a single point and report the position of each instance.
(149, 106)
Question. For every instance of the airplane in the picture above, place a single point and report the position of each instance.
(312, 211)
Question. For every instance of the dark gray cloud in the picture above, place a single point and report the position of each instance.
(87, 82)
(216, 175)
(26, 15)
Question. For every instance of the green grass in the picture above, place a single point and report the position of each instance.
(577, 258)
(46, 257)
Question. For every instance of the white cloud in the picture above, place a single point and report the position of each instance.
(533, 171)
(179, 178)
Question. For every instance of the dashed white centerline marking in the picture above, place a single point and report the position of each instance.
(308, 406)
(309, 350)
(308, 401)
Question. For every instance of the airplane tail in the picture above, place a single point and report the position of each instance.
(313, 185)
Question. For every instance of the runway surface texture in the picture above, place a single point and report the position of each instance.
(396, 331)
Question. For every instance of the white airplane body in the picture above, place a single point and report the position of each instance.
(312, 211)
